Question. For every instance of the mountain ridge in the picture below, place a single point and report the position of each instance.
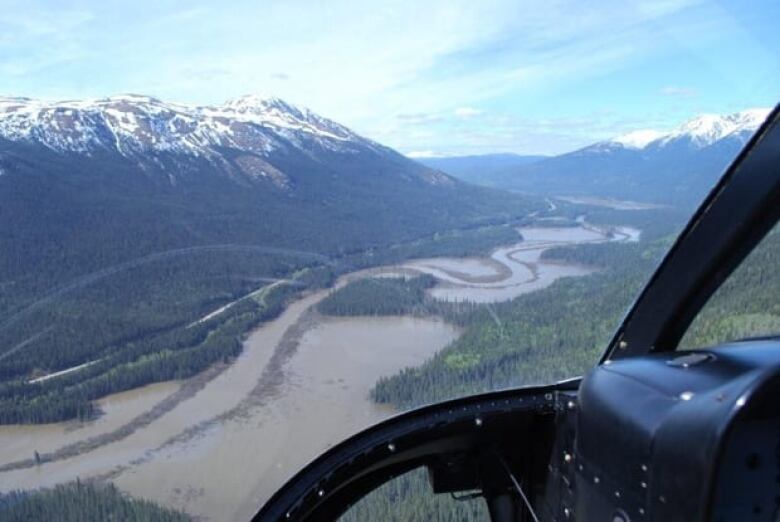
(77, 191)
(701, 131)
(138, 125)
(673, 167)
(127, 221)
(246, 137)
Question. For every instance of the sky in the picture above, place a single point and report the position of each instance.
(425, 77)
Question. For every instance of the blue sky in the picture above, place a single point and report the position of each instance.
(441, 77)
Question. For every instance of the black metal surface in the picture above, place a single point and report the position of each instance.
(559, 499)
(748, 482)
(652, 437)
(741, 209)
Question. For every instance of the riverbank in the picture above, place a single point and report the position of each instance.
(301, 382)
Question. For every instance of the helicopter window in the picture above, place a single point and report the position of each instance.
(204, 286)
(746, 305)
(410, 497)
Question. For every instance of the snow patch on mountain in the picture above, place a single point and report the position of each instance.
(135, 124)
(709, 128)
(698, 132)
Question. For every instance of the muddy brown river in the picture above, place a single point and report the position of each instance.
(301, 385)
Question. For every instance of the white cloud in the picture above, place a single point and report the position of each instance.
(467, 112)
(682, 92)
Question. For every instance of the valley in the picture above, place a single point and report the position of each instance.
(234, 235)
(159, 231)
(198, 300)
(300, 370)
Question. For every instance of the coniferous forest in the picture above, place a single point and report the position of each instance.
(80, 502)
(550, 334)
(144, 322)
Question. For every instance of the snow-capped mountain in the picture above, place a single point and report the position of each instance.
(699, 132)
(133, 124)
(181, 208)
(673, 167)
(91, 184)
(249, 138)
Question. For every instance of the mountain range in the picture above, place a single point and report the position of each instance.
(89, 183)
(127, 221)
(143, 129)
(674, 167)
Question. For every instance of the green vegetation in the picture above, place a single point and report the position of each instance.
(110, 259)
(399, 296)
(672, 173)
(139, 324)
(747, 304)
(77, 502)
(101, 316)
(175, 353)
(409, 498)
(555, 333)
(460, 242)
(379, 296)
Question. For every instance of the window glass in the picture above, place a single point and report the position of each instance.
(747, 304)
(410, 497)
(233, 234)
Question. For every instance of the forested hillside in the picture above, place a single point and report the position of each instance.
(112, 252)
(380, 296)
(676, 175)
(77, 502)
(747, 304)
(409, 498)
(145, 323)
(176, 353)
(479, 169)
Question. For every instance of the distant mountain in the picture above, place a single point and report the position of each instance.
(676, 167)
(478, 169)
(86, 184)
(698, 133)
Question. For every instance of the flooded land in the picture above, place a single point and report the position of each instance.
(218, 447)
(616, 204)
(516, 269)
